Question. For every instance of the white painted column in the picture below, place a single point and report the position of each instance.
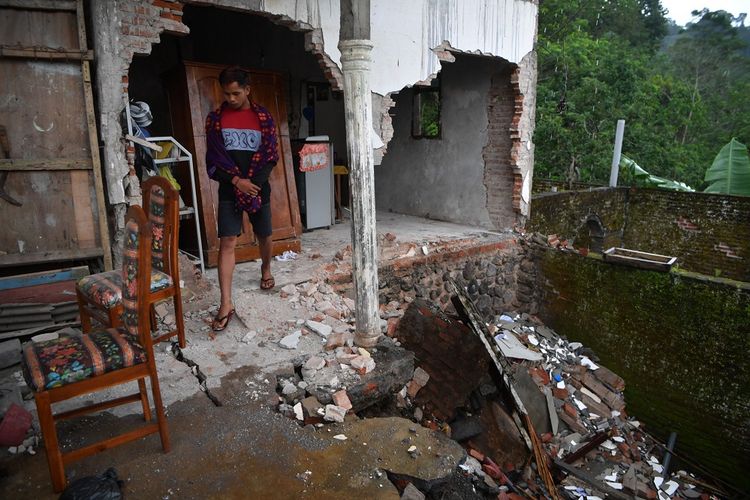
(355, 63)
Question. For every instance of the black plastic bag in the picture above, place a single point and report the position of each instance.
(102, 487)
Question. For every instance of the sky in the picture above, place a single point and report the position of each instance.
(679, 10)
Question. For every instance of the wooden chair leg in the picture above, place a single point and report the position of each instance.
(160, 416)
(49, 433)
(144, 399)
(177, 300)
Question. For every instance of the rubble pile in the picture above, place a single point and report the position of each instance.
(342, 380)
(330, 307)
(590, 437)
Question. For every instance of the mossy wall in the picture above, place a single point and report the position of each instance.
(681, 342)
(708, 233)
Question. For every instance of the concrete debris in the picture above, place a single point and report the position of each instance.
(298, 414)
(10, 353)
(420, 377)
(291, 341)
(334, 413)
(362, 363)
(315, 363)
(320, 328)
(249, 336)
(412, 493)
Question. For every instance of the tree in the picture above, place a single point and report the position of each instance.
(599, 61)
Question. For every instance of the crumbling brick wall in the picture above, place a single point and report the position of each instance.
(502, 181)
(708, 233)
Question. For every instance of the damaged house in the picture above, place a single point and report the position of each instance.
(403, 343)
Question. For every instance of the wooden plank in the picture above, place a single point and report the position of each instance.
(47, 53)
(43, 277)
(50, 256)
(38, 28)
(144, 143)
(43, 164)
(48, 293)
(38, 4)
(80, 183)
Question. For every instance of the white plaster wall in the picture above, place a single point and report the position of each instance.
(403, 32)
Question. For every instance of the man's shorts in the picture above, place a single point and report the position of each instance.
(230, 220)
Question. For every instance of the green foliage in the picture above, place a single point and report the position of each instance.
(430, 114)
(730, 171)
(599, 61)
(642, 178)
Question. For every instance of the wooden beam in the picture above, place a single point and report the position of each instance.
(144, 143)
(101, 208)
(51, 256)
(39, 4)
(46, 53)
(23, 165)
(43, 277)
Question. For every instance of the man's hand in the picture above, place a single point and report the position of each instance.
(248, 187)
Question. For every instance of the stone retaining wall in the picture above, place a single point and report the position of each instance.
(490, 271)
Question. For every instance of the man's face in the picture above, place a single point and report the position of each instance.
(236, 95)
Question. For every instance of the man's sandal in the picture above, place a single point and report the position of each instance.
(267, 283)
(220, 324)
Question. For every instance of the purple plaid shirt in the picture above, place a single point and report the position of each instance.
(217, 156)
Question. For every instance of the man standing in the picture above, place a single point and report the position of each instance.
(241, 152)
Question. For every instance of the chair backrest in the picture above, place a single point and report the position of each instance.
(161, 203)
(136, 274)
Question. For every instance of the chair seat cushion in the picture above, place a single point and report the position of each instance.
(105, 289)
(74, 357)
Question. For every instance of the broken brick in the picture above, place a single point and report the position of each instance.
(341, 399)
(560, 393)
(572, 412)
(542, 375)
(412, 388)
(477, 454)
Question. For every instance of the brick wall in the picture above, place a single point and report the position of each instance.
(500, 177)
(708, 233)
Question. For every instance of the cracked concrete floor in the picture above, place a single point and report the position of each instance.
(243, 449)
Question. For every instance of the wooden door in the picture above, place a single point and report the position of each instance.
(204, 95)
(48, 145)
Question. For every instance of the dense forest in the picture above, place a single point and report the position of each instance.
(684, 92)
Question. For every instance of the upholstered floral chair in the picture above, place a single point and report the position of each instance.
(100, 295)
(73, 365)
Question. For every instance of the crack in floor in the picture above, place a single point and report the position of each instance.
(196, 371)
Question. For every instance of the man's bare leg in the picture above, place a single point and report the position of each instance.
(226, 270)
(265, 245)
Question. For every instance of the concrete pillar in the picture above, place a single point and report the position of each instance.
(355, 63)
(110, 68)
